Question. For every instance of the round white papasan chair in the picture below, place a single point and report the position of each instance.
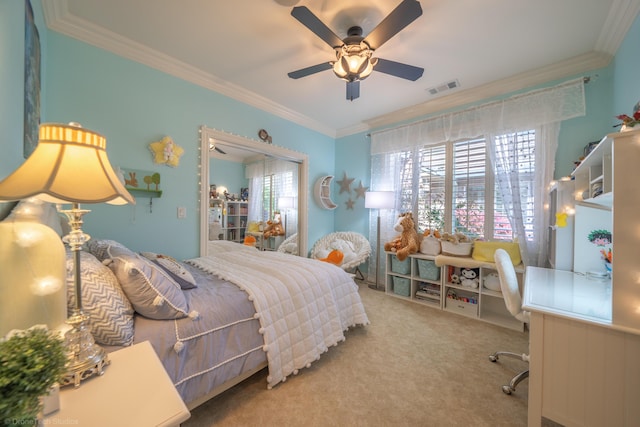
(289, 245)
(354, 246)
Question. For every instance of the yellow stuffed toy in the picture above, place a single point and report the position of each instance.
(408, 242)
(166, 151)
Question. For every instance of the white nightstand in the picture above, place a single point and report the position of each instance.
(135, 390)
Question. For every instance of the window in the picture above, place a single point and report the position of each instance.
(451, 186)
(273, 187)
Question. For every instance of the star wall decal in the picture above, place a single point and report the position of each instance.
(350, 203)
(360, 190)
(345, 184)
(166, 151)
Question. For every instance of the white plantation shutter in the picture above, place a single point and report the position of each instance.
(469, 183)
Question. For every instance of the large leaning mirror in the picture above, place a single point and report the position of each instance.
(264, 180)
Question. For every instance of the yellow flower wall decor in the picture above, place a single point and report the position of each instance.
(166, 151)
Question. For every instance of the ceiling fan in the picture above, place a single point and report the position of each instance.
(213, 146)
(353, 54)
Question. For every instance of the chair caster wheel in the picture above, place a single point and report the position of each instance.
(493, 358)
(506, 389)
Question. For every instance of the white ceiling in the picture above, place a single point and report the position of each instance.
(245, 48)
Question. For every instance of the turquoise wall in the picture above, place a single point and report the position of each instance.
(227, 174)
(12, 83)
(626, 87)
(134, 105)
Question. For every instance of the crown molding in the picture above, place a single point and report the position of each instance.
(621, 16)
(571, 67)
(58, 18)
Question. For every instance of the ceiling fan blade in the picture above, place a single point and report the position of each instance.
(310, 70)
(403, 15)
(398, 69)
(353, 90)
(311, 21)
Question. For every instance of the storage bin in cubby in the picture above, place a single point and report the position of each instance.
(400, 267)
(401, 286)
(427, 269)
(462, 302)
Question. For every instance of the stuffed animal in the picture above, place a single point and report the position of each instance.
(334, 257)
(408, 242)
(274, 228)
(492, 282)
(343, 246)
(469, 278)
(249, 241)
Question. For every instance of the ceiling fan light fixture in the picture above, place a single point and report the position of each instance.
(354, 62)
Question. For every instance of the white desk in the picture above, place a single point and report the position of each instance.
(567, 294)
(135, 390)
(584, 369)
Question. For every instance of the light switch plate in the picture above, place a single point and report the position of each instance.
(182, 212)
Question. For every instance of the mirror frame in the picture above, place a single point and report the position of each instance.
(258, 147)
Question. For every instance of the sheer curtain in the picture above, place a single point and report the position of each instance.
(254, 172)
(541, 110)
(283, 182)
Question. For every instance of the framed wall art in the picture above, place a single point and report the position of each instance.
(31, 81)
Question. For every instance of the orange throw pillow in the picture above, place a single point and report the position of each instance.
(250, 241)
(334, 257)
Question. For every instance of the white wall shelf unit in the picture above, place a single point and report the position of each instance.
(234, 220)
(612, 165)
(322, 192)
(416, 280)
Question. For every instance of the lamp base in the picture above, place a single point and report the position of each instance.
(86, 358)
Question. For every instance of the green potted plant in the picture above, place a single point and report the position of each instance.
(31, 362)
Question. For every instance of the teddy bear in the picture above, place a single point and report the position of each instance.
(274, 228)
(408, 241)
(469, 278)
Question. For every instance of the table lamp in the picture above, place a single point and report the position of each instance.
(378, 200)
(70, 165)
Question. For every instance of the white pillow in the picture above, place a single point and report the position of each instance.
(103, 300)
(152, 292)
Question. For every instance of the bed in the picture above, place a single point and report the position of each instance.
(214, 320)
(224, 316)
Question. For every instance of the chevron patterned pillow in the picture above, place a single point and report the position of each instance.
(98, 247)
(110, 312)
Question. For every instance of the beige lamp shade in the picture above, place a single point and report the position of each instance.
(69, 165)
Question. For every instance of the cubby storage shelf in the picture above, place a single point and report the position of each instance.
(429, 281)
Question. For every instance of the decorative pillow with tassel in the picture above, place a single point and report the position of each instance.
(151, 290)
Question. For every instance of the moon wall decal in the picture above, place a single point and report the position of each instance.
(322, 191)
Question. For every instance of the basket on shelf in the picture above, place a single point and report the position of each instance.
(400, 267)
(401, 286)
(456, 249)
(427, 269)
(430, 246)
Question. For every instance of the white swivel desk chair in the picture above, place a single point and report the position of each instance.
(513, 301)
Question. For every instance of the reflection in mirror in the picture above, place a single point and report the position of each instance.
(244, 183)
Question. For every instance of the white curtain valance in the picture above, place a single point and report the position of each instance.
(519, 112)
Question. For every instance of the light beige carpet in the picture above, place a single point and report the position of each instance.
(412, 366)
